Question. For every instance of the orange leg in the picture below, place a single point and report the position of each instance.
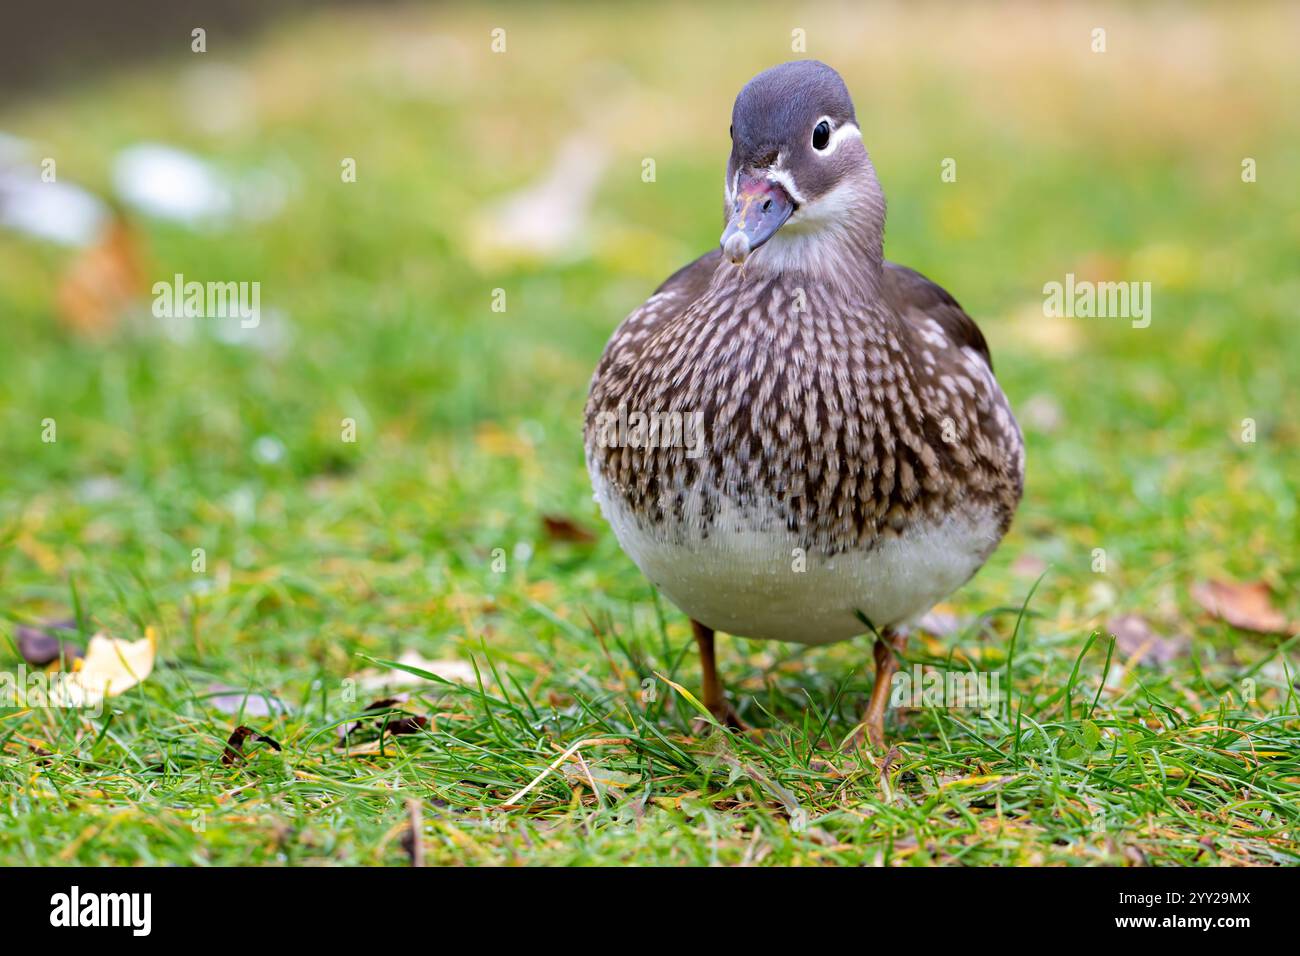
(715, 698)
(886, 664)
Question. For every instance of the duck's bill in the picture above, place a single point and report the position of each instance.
(762, 207)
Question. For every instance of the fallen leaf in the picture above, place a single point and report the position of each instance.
(1134, 636)
(450, 669)
(110, 668)
(560, 528)
(406, 725)
(980, 782)
(396, 726)
(235, 744)
(102, 282)
(41, 645)
(1248, 607)
(232, 700)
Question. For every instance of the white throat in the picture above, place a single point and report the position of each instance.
(834, 239)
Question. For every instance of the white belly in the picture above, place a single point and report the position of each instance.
(747, 578)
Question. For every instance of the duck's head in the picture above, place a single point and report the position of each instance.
(799, 179)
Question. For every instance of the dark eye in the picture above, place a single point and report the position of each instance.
(821, 135)
(731, 132)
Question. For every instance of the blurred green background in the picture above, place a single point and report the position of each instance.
(377, 294)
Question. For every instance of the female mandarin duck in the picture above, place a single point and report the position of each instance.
(859, 460)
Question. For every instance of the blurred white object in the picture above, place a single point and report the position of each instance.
(549, 217)
(269, 450)
(56, 211)
(170, 184)
(167, 183)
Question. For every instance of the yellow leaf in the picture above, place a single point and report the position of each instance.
(111, 667)
(979, 780)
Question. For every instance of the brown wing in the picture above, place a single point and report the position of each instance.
(913, 296)
(673, 297)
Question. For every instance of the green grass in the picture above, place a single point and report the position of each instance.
(341, 554)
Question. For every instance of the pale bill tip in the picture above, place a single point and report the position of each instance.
(736, 247)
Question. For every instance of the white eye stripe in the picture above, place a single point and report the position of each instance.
(847, 131)
(778, 174)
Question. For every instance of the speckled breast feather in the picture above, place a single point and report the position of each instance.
(841, 421)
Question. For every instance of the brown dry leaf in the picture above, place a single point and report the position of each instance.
(1133, 635)
(235, 744)
(406, 725)
(560, 528)
(1247, 606)
(102, 282)
(111, 667)
(395, 725)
